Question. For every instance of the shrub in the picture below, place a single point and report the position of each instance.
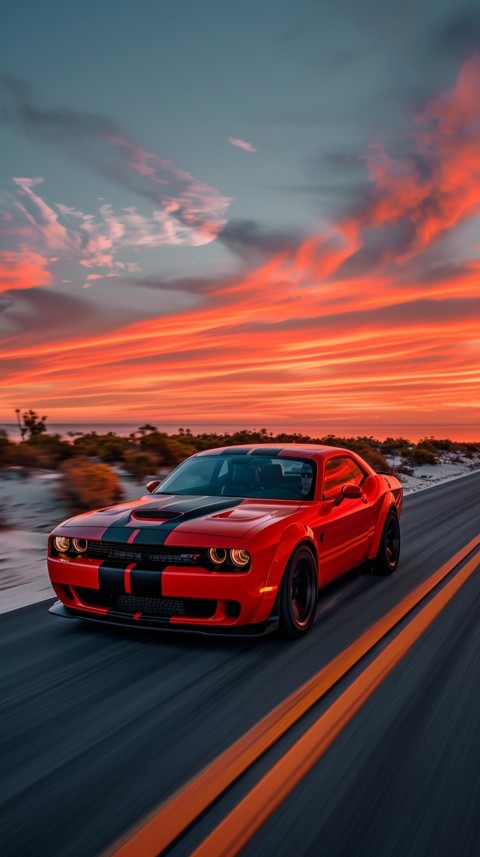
(88, 485)
(25, 455)
(167, 450)
(420, 456)
(376, 460)
(7, 450)
(140, 465)
(112, 449)
(49, 449)
(394, 445)
(108, 447)
(428, 445)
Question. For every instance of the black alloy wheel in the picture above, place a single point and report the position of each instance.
(299, 593)
(388, 554)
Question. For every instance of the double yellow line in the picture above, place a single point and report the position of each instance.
(168, 821)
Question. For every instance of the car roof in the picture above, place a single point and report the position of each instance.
(303, 450)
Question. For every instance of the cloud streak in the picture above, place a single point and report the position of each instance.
(93, 241)
(241, 144)
(104, 146)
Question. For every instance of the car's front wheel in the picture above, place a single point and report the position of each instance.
(299, 593)
(388, 553)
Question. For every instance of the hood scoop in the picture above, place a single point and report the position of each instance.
(156, 514)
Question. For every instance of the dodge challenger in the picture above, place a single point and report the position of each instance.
(235, 540)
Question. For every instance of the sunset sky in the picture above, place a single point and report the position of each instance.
(247, 214)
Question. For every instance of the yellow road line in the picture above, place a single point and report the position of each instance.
(162, 826)
(258, 805)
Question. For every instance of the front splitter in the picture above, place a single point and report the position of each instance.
(149, 623)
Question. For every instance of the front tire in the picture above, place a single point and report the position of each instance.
(299, 594)
(388, 554)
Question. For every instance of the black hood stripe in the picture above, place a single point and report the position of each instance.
(156, 534)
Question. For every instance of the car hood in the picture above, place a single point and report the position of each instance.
(228, 516)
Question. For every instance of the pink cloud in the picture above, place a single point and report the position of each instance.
(111, 151)
(62, 233)
(193, 203)
(55, 235)
(241, 144)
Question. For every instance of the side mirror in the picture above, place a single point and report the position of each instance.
(348, 492)
(150, 486)
(352, 492)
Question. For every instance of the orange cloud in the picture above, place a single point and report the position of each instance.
(438, 186)
(22, 270)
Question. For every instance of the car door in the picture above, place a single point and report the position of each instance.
(346, 524)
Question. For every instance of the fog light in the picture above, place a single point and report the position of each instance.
(240, 557)
(61, 543)
(80, 545)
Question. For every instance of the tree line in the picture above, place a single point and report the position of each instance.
(86, 459)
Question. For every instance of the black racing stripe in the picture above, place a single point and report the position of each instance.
(111, 577)
(157, 534)
(253, 450)
(270, 451)
(188, 507)
(146, 583)
(119, 531)
(192, 504)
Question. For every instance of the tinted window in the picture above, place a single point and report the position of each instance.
(243, 476)
(340, 471)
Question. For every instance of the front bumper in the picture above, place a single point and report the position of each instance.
(172, 596)
(149, 623)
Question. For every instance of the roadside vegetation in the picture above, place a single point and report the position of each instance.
(89, 463)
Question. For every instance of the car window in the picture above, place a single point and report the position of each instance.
(186, 479)
(253, 476)
(340, 471)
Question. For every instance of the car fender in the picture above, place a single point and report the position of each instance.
(293, 536)
(388, 503)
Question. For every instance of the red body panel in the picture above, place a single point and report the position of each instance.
(341, 532)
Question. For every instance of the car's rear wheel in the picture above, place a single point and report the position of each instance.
(388, 554)
(299, 593)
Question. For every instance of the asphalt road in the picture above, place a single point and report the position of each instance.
(100, 725)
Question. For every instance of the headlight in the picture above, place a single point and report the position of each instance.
(80, 545)
(61, 543)
(217, 555)
(240, 557)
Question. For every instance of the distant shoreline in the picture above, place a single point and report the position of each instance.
(412, 432)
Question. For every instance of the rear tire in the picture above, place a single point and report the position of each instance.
(299, 594)
(388, 554)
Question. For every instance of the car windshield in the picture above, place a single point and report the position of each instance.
(253, 476)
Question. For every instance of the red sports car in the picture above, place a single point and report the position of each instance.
(237, 539)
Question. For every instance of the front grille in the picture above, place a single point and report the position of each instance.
(166, 607)
(157, 554)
